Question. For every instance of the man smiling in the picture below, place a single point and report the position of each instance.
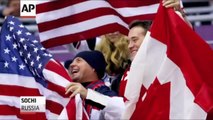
(86, 70)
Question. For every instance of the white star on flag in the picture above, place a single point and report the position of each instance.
(6, 51)
(8, 37)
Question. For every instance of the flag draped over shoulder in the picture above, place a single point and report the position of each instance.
(27, 69)
(62, 22)
(171, 76)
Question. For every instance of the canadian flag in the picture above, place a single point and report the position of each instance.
(171, 76)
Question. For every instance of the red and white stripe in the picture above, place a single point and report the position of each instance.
(175, 66)
(13, 86)
(64, 22)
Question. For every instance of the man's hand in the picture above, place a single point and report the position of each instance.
(171, 3)
(176, 5)
(76, 88)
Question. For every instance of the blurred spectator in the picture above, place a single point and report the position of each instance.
(114, 46)
(12, 8)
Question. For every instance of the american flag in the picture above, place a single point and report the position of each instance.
(28, 69)
(62, 22)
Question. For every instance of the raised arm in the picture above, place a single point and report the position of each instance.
(177, 5)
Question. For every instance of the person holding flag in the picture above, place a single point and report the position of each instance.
(175, 79)
(28, 69)
(86, 69)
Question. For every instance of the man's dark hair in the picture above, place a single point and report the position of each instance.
(144, 24)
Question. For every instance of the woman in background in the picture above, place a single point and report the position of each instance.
(114, 47)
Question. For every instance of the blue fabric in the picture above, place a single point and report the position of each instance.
(20, 52)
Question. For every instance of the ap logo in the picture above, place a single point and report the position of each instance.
(28, 8)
